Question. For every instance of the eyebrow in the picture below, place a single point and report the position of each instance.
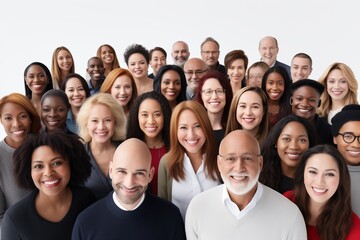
(137, 170)
(326, 170)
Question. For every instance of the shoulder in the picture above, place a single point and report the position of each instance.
(160, 204)
(23, 206)
(277, 200)
(208, 196)
(97, 209)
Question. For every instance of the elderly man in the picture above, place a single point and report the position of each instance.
(346, 131)
(194, 69)
(242, 208)
(269, 49)
(180, 53)
(129, 212)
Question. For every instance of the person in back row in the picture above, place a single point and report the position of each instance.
(242, 206)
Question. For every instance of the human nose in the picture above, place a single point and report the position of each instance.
(248, 110)
(48, 171)
(238, 164)
(320, 179)
(294, 144)
(129, 181)
(151, 119)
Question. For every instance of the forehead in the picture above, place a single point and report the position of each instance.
(193, 65)
(53, 100)
(322, 161)
(250, 97)
(239, 144)
(268, 42)
(211, 82)
(158, 53)
(95, 61)
(179, 46)
(301, 61)
(351, 126)
(63, 52)
(210, 45)
(306, 91)
(293, 128)
(136, 57)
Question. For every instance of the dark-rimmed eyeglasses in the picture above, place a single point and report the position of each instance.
(349, 137)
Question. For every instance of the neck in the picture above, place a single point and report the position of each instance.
(287, 171)
(215, 120)
(314, 212)
(101, 147)
(75, 111)
(154, 142)
(336, 104)
(235, 87)
(59, 199)
(243, 200)
(63, 75)
(95, 83)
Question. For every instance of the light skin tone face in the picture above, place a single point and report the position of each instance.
(337, 86)
(268, 50)
(250, 111)
(180, 53)
(122, 90)
(214, 103)
(101, 124)
(190, 133)
(151, 119)
(95, 69)
(170, 85)
(16, 122)
(50, 171)
(131, 172)
(350, 151)
(275, 86)
(255, 76)
(293, 141)
(157, 60)
(321, 178)
(53, 112)
(305, 101)
(75, 92)
(236, 71)
(240, 163)
(107, 55)
(36, 79)
(210, 53)
(194, 69)
(138, 65)
(300, 68)
(64, 60)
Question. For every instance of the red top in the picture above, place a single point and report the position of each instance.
(312, 234)
(156, 154)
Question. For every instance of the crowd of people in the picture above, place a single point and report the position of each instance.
(194, 150)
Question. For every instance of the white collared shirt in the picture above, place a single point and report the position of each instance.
(117, 203)
(234, 209)
(194, 183)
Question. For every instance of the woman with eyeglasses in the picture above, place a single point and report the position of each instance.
(215, 94)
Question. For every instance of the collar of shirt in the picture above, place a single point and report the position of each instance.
(117, 203)
(234, 209)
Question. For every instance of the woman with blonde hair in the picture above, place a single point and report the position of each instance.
(102, 125)
(249, 111)
(62, 64)
(121, 85)
(190, 166)
(108, 55)
(19, 119)
(341, 89)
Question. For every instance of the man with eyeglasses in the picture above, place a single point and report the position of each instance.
(346, 132)
(210, 52)
(194, 69)
(242, 207)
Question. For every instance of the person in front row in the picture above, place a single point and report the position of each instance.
(129, 212)
(242, 206)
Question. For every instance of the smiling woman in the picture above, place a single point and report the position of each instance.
(53, 166)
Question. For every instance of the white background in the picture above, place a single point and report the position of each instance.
(327, 30)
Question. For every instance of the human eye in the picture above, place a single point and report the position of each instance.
(190, 72)
(140, 174)
(348, 137)
(182, 127)
(94, 120)
(343, 81)
(220, 91)
(330, 174)
(61, 109)
(286, 139)
(144, 115)
(230, 159)
(132, 64)
(38, 166)
(312, 100)
(24, 116)
(45, 109)
(166, 82)
(127, 86)
(242, 106)
(331, 81)
(197, 126)
(177, 83)
(57, 163)
(246, 157)
(8, 118)
(31, 76)
(312, 172)
(158, 114)
(298, 99)
(108, 120)
(256, 106)
(303, 140)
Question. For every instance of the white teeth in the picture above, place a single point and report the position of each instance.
(303, 110)
(293, 155)
(192, 141)
(354, 153)
(239, 177)
(51, 182)
(18, 132)
(319, 190)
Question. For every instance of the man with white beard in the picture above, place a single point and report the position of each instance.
(180, 53)
(242, 208)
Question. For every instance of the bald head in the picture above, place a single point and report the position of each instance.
(194, 69)
(239, 139)
(133, 149)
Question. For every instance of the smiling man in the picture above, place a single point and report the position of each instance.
(242, 207)
(346, 131)
(129, 212)
(96, 71)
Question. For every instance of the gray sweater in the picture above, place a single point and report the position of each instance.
(10, 193)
